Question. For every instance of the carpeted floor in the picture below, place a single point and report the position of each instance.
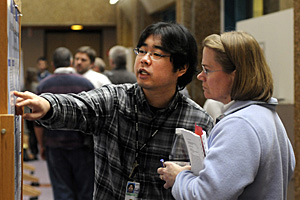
(44, 185)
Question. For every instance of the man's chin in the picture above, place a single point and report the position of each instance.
(145, 86)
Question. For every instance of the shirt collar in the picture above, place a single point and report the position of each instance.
(143, 103)
(234, 106)
(226, 106)
(65, 70)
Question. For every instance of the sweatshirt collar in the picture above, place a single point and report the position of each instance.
(235, 106)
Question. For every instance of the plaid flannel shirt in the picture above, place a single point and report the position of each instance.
(108, 114)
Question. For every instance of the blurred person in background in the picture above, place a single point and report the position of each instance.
(42, 67)
(70, 159)
(31, 83)
(83, 63)
(117, 60)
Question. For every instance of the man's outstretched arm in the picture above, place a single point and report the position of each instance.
(38, 105)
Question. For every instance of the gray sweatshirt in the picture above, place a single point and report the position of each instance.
(249, 157)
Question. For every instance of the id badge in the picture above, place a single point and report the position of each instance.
(132, 190)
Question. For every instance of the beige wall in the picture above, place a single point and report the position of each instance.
(285, 4)
(67, 12)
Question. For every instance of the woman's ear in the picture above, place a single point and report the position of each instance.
(233, 74)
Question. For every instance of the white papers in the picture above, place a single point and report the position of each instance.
(197, 148)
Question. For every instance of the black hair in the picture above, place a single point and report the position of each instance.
(133, 186)
(180, 43)
(62, 57)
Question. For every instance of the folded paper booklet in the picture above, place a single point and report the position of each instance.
(197, 147)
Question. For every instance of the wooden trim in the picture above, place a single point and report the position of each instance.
(7, 186)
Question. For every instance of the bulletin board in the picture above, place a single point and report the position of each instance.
(10, 124)
(275, 34)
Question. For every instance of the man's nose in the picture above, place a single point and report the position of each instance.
(146, 59)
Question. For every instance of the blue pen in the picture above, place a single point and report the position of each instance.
(162, 162)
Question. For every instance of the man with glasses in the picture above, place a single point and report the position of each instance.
(133, 125)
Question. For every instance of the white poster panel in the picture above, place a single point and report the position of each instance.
(275, 34)
(13, 76)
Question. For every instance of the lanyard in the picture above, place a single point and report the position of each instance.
(137, 134)
(136, 162)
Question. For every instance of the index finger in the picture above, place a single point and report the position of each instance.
(24, 98)
(160, 170)
(24, 95)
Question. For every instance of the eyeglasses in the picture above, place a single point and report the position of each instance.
(153, 55)
(207, 71)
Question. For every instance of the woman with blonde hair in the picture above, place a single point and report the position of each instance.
(250, 155)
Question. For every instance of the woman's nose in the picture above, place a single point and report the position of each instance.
(201, 76)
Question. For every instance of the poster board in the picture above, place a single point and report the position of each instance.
(275, 34)
(10, 124)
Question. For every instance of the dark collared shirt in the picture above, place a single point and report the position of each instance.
(109, 114)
